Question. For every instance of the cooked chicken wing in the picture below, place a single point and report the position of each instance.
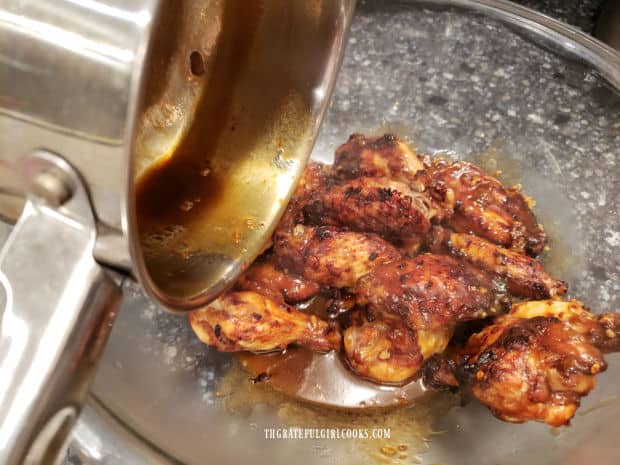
(482, 206)
(384, 350)
(379, 205)
(429, 291)
(538, 361)
(524, 275)
(249, 321)
(316, 178)
(331, 257)
(267, 279)
(601, 330)
(377, 157)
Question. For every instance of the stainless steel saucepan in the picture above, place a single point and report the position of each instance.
(160, 139)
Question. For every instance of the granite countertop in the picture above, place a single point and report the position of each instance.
(580, 13)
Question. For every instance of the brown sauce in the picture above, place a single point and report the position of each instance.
(411, 427)
(281, 369)
(183, 186)
(175, 192)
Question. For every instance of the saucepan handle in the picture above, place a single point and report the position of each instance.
(59, 306)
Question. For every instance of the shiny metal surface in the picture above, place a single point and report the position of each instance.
(226, 130)
(100, 439)
(122, 88)
(57, 313)
(70, 74)
(164, 385)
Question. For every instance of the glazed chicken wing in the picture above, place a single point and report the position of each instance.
(384, 350)
(538, 361)
(332, 257)
(265, 278)
(524, 276)
(249, 321)
(316, 178)
(600, 330)
(482, 206)
(387, 351)
(378, 205)
(429, 291)
(377, 157)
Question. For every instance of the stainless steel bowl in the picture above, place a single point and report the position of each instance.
(483, 80)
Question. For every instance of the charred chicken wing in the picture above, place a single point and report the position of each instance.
(249, 321)
(524, 276)
(429, 291)
(378, 205)
(377, 157)
(265, 278)
(386, 350)
(316, 178)
(538, 361)
(332, 257)
(482, 206)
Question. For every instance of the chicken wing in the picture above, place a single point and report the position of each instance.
(316, 178)
(377, 157)
(331, 257)
(524, 276)
(429, 291)
(538, 361)
(378, 205)
(384, 351)
(387, 351)
(482, 206)
(600, 330)
(268, 280)
(249, 321)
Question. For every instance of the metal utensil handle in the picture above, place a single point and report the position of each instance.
(59, 307)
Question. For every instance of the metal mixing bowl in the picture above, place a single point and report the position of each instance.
(484, 81)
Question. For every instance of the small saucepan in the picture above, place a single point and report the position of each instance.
(146, 138)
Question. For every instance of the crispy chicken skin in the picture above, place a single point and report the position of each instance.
(536, 362)
(249, 321)
(265, 278)
(331, 257)
(601, 330)
(428, 292)
(378, 205)
(316, 178)
(482, 206)
(377, 157)
(524, 276)
(385, 350)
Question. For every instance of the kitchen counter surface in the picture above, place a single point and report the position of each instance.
(580, 13)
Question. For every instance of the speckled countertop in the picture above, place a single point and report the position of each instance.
(580, 13)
